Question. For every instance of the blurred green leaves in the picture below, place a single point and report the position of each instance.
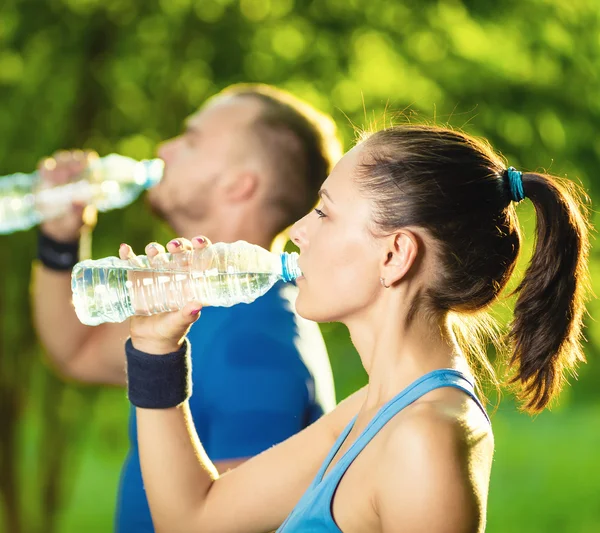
(121, 75)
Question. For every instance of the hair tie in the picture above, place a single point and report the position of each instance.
(515, 184)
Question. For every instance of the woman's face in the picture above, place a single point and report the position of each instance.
(339, 256)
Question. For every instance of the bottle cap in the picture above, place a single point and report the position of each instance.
(150, 172)
(289, 266)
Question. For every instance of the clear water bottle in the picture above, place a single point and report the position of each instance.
(108, 183)
(112, 289)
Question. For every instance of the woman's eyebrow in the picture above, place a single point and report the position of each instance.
(323, 192)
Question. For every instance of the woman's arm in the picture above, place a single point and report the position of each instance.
(185, 493)
(183, 488)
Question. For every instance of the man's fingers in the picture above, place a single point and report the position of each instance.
(90, 155)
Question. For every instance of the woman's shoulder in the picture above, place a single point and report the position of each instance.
(436, 455)
(445, 425)
(437, 426)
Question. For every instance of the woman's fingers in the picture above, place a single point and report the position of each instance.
(157, 254)
(163, 333)
(200, 242)
(124, 251)
(179, 245)
(153, 249)
(190, 312)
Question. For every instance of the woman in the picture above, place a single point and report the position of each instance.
(416, 230)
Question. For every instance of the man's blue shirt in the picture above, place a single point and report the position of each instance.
(260, 374)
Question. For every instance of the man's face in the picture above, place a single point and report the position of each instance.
(211, 147)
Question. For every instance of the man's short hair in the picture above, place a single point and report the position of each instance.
(298, 141)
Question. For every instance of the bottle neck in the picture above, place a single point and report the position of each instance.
(152, 171)
(289, 266)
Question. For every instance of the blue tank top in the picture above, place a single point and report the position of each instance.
(313, 511)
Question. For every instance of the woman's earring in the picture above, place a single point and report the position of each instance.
(383, 283)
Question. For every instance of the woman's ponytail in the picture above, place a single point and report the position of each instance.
(546, 332)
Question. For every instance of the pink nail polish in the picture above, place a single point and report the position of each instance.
(200, 240)
(195, 312)
(122, 244)
(177, 244)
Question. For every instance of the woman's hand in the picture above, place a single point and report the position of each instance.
(165, 332)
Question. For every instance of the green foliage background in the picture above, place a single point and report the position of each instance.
(121, 75)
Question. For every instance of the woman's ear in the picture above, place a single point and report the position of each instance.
(401, 252)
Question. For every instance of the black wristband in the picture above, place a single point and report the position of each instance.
(158, 381)
(57, 255)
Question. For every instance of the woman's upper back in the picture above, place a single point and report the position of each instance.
(423, 454)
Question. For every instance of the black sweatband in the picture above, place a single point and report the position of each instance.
(57, 255)
(158, 381)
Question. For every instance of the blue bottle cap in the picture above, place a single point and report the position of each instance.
(289, 266)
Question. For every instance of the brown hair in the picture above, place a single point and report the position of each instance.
(456, 188)
(300, 143)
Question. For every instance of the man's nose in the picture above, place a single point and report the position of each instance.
(166, 149)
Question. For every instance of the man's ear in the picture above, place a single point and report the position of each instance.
(239, 186)
(401, 251)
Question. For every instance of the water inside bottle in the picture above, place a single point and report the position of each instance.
(105, 294)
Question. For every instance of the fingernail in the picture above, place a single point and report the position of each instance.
(50, 164)
(175, 243)
(194, 312)
(122, 244)
(200, 240)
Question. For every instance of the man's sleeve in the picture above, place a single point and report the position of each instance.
(257, 395)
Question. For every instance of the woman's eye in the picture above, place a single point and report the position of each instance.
(320, 213)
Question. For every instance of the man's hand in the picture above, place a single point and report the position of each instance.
(63, 167)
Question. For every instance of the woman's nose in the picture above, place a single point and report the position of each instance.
(298, 233)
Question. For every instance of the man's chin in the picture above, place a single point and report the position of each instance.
(153, 204)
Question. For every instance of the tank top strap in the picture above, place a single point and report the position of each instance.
(335, 448)
(436, 379)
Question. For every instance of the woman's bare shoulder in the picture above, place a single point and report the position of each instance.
(428, 474)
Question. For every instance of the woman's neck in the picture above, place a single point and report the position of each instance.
(395, 355)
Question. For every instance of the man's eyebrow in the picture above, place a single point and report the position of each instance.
(323, 192)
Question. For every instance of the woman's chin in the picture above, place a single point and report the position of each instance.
(311, 312)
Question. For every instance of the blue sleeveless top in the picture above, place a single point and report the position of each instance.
(313, 511)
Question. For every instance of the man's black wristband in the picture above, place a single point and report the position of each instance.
(55, 255)
(158, 381)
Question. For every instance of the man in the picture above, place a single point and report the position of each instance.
(249, 163)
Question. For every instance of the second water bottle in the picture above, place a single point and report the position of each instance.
(110, 182)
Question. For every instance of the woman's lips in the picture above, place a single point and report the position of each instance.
(301, 276)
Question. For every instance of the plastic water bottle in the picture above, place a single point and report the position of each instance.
(112, 289)
(108, 183)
